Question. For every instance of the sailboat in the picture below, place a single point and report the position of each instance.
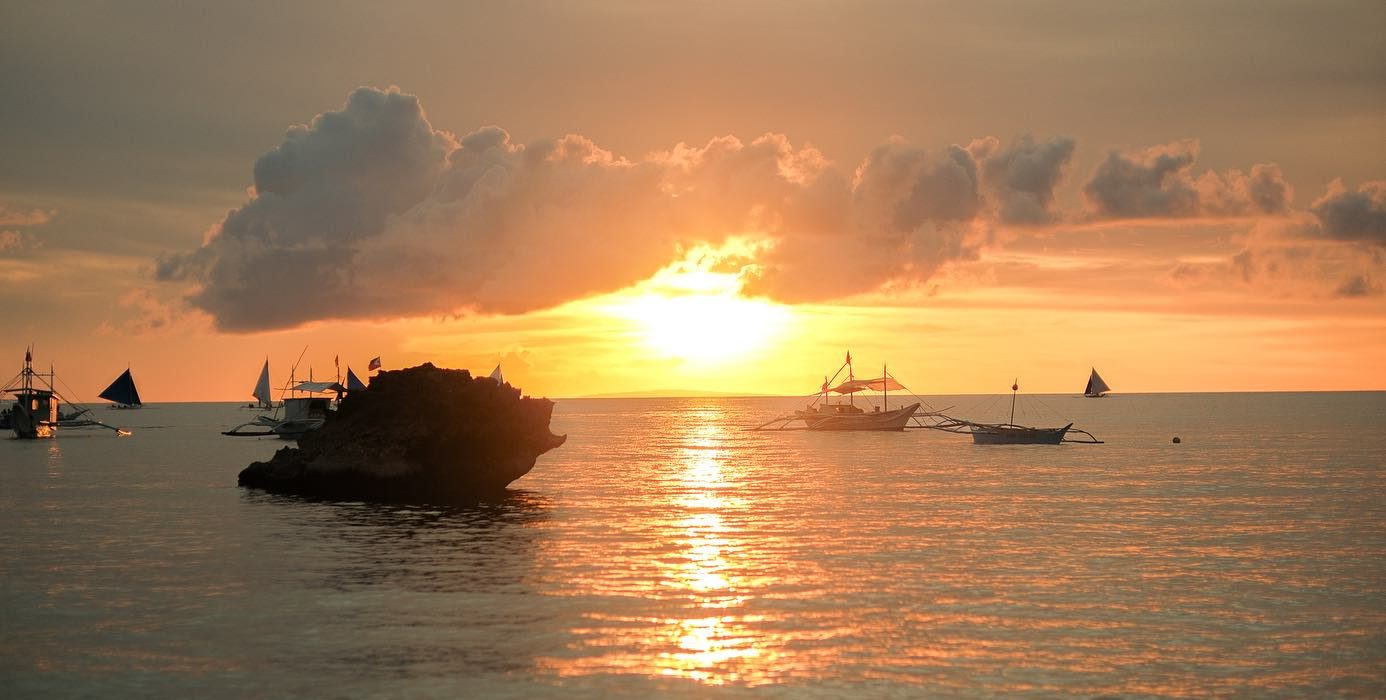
(122, 392)
(1096, 388)
(264, 399)
(35, 413)
(353, 382)
(824, 414)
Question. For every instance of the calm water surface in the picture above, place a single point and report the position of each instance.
(665, 551)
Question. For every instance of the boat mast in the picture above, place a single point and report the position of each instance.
(885, 389)
(1015, 387)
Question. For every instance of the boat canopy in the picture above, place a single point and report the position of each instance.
(122, 390)
(318, 387)
(852, 386)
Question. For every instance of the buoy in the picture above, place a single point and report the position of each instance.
(1176, 439)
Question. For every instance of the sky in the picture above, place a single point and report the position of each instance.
(609, 197)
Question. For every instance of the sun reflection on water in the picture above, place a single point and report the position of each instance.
(705, 572)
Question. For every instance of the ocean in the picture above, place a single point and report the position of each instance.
(666, 551)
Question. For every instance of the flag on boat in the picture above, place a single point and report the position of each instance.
(496, 375)
(849, 357)
(375, 364)
(28, 356)
(337, 362)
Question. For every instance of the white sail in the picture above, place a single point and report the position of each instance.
(262, 386)
(496, 375)
(1096, 387)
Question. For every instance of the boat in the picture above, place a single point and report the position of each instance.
(1096, 388)
(122, 392)
(824, 414)
(36, 410)
(296, 414)
(1009, 433)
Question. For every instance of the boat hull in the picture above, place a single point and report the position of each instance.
(874, 421)
(1017, 435)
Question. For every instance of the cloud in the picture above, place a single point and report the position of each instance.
(10, 216)
(1023, 178)
(1358, 216)
(15, 241)
(371, 212)
(1361, 285)
(1158, 182)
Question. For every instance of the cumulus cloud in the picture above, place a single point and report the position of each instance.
(370, 211)
(1358, 216)
(1023, 178)
(1158, 182)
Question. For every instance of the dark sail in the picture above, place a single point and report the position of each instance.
(123, 391)
(354, 383)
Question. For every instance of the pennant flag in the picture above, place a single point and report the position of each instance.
(825, 382)
(28, 356)
(337, 360)
(849, 357)
(375, 364)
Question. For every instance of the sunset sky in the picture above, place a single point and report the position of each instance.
(629, 196)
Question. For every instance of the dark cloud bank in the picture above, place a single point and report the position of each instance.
(371, 212)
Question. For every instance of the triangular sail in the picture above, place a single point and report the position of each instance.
(122, 391)
(496, 375)
(1096, 387)
(354, 382)
(262, 386)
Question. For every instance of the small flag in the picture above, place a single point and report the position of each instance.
(825, 383)
(337, 360)
(849, 357)
(28, 356)
(375, 364)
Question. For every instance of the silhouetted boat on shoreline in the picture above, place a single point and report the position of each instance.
(1009, 433)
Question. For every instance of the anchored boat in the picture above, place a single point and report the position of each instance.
(1009, 433)
(36, 410)
(825, 414)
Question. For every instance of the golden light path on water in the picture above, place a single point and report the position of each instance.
(705, 578)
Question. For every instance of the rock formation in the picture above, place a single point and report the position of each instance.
(421, 434)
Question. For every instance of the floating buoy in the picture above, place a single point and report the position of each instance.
(1176, 439)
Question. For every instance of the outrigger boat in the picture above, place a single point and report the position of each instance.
(1009, 433)
(36, 411)
(824, 414)
(296, 415)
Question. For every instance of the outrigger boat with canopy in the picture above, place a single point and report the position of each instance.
(36, 410)
(825, 414)
(295, 414)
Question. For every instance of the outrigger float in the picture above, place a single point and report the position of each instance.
(824, 414)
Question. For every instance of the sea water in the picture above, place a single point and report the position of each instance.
(666, 551)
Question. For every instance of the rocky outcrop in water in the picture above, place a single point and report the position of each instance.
(421, 434)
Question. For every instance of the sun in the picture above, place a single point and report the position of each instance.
(698, 316)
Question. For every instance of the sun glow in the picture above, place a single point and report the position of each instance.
(691, 313)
